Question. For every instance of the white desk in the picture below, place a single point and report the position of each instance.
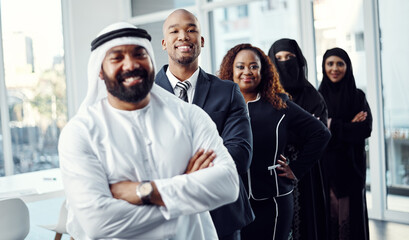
(33, 186)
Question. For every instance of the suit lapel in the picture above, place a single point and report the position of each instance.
(202, 89)
(202, 85)
(162, 80)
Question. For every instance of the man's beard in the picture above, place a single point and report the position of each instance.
(132, 94)
(185, 60)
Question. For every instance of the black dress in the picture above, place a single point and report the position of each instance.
(311, 216)
(271, 195)
(344, 160)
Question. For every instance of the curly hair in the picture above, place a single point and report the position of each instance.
(269, 86)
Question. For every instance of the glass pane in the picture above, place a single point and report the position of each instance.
(259, 23)
(2, 170)
(140, 7)
(155, 30)
(333, 29)
(394, 52)
(35, 80)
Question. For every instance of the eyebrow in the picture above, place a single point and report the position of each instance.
(176, 25)
(249, 63)
(137, 48)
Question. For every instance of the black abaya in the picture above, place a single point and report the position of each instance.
(344, 161)
(311, 214)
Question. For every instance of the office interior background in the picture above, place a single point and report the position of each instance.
(45, 45)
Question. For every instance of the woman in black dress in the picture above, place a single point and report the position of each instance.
(273, 117)
(344, 161)
(310, 214)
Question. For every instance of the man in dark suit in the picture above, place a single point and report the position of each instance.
(223, 102)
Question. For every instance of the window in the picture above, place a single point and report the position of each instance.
(359, 41)
(2, 168)
(254, 23)
(145, 7)
(333, 29)
(155, 30)
(395, 36)
(34, 81)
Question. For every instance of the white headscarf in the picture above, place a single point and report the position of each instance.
(96, 87)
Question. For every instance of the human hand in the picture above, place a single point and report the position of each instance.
(285, 168)
(200, 160)
(360, 117)
(329, 122)
(125, 190)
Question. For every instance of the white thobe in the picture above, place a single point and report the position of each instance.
(104, 145)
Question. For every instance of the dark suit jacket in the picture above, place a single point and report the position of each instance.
(223, 101)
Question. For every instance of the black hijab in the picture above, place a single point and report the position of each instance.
(293, 72)
(341, 97)
(293, 77)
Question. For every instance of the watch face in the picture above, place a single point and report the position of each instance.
(145, 189)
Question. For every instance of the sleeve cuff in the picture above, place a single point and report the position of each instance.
(168, 195)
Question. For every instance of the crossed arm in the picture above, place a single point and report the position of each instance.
(359, 117)
(125, 190)
(98, 215)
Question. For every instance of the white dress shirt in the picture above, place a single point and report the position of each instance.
(106, 145)
(192, 79)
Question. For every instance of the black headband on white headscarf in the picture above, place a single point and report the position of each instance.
(117, 34)
(123, 32)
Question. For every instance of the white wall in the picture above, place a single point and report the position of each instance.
(82, 21)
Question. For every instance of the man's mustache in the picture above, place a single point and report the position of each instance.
(140, 72)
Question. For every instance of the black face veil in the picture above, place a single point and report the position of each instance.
(293, 72)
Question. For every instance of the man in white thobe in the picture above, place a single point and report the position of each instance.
(136, 160)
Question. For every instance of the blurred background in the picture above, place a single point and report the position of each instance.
(45, 45)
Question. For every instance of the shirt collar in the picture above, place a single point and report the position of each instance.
(192, 79)
(257, 98)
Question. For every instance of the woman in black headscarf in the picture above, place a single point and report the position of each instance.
(311, 215)
(350, 122)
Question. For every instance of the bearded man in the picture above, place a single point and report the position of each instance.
(136, 162)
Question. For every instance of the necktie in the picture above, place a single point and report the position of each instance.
(183, 86)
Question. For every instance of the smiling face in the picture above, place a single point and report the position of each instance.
(246, 71)
(128, 73)
(335, 68)
(182, 39)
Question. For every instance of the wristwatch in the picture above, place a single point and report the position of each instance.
(144, 191)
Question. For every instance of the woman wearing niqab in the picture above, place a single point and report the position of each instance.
(310, 217)
(344, 162)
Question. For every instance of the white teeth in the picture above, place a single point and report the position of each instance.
(131, 79)
(184, 47)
